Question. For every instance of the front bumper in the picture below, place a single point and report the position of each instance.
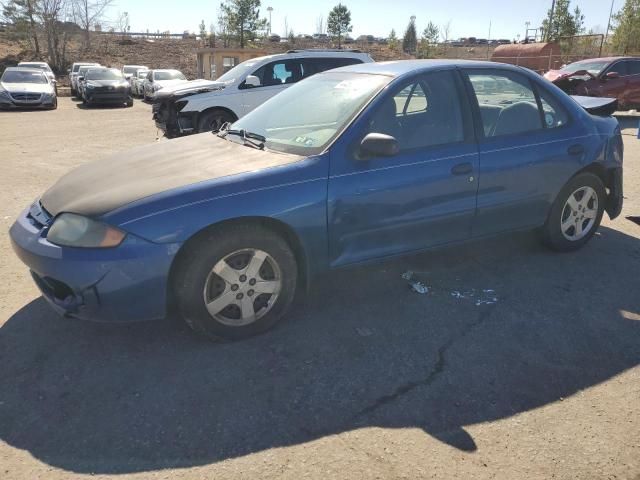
(172, 122)
(7, 104)
(123, 284)
(114, 97)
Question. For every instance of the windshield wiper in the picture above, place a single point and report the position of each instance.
(251, 139)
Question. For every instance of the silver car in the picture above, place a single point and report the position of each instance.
(26, 88)
(137, 82)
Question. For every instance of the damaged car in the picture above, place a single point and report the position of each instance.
(348, 166)
(615, 77)
(205, 105)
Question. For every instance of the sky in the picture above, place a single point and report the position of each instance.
(469, 18)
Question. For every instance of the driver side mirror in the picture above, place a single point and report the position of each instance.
(252, 81)
(612, 75)
(379, 145)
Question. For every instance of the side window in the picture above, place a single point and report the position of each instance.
(311, 66)
(619, 67)
(633, 67)
(278, 73)
(425, 113)
(554, 114)
(507, 103)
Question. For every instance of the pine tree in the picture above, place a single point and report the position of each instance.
(563, 23)
(410, 39)
(339, 22)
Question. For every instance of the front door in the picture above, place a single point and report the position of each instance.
(274, 77)
(421, 197)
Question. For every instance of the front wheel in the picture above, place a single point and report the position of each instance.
(235, 282)
(214, 120)
(576, 213)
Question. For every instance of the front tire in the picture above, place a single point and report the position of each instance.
(576, 213)
(235, 282)
(214, 120)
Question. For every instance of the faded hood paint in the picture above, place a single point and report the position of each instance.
(99, 187)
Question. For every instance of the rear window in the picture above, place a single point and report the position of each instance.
(175, 75)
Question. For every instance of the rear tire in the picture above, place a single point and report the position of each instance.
(214, 120)
(235, 282)
(576, 213)
(130, 102)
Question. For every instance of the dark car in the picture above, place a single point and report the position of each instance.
(106, 86)
(614, 77)
(347, 166)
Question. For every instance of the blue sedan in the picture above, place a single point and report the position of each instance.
(351, 165)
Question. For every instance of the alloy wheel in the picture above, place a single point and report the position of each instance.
(242, 287)
(579, 214)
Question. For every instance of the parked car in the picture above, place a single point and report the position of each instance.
(201, 106)
(106, 86)
(347, 166)
(27, 87)
(129, 70)
(137, 82)
(74, 73)
(80, 80)
(44, 66)
(614, 77)
(159, 79)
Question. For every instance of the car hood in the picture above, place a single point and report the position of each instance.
(189, 88)
(169, 83)
(100, 187)
(556, 75)
(26, 87)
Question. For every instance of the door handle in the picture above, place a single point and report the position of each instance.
(575, 150)
(462, 169)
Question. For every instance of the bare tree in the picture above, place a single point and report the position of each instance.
(87, 13)
(320, 25)
(445, 32)
(53, 13)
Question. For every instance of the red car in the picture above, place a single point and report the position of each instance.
(613, 77)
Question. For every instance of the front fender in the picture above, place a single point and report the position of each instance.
(295, 195)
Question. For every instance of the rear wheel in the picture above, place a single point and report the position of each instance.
(214, 120)
(235, 282)
(130, 102)
(576, 213)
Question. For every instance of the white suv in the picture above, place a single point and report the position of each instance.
(204, 105)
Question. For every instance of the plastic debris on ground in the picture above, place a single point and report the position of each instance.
(486, 296)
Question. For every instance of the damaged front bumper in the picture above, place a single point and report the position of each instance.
(123, 284)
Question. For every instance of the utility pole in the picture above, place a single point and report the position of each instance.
(549, 27)
(526, 32)
(269, 9)
(606, 34)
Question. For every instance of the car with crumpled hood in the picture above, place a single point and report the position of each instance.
(611, 77)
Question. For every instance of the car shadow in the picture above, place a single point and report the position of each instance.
(361, 349)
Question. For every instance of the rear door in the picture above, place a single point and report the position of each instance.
(274, 78)
(528, 149)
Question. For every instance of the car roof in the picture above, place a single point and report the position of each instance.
(399, 68)
(313, 53)
(33, 63)
(24, 69)
(606, 59)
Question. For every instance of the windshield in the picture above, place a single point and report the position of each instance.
(142, 73)
(594, 68)
(172, 75)
(133, 69)
(306, 117)
(16, 76)
(238, 71)
(106, 74)
(78, 67)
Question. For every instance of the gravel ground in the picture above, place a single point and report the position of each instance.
(367, 379)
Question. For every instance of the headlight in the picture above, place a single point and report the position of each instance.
(71, 230)
(90, 86)
(156, 88)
